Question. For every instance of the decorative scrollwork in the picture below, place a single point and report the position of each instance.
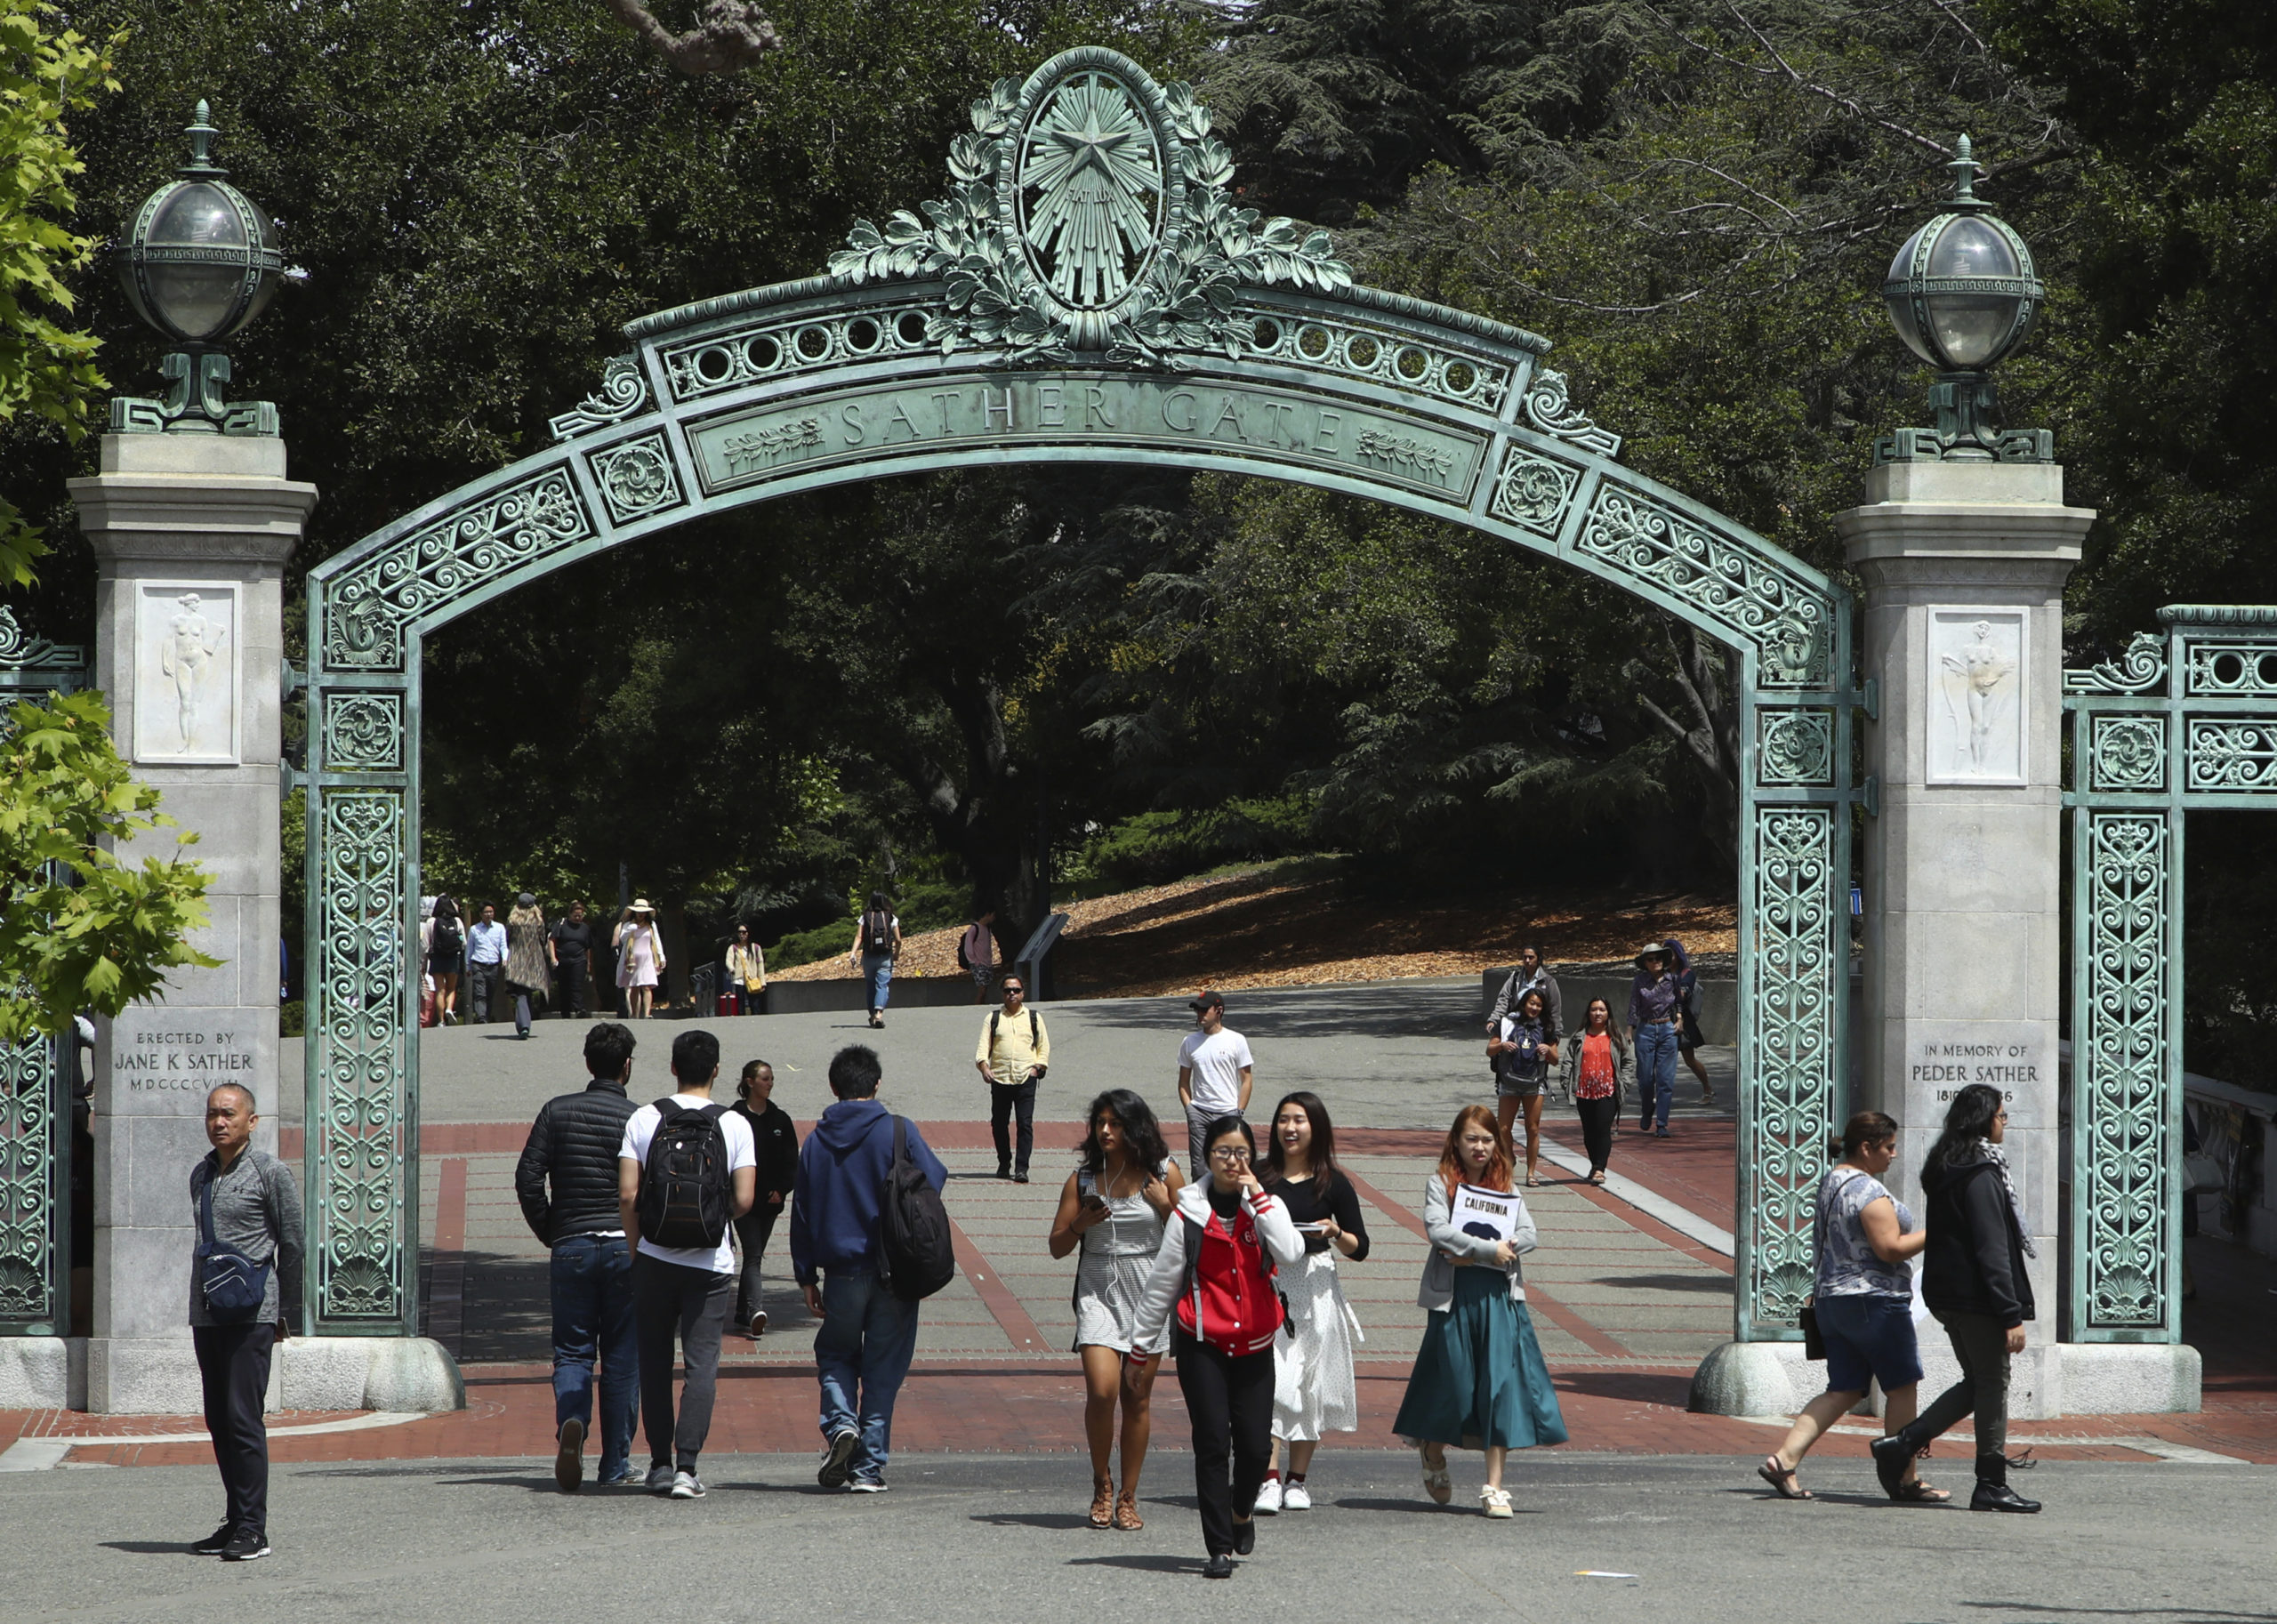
(370, 606)
(636, 478)
(1795, 747)
(363, 732)
(1791, 1050)
(1548, 410)
(2143, 667)
(2230, 668)
(1404, 451)
(2124, 1070)
(623, 391)
(20, 651)
(359, 1024)
(2229, 754)
(1785, 615)
(2127, 753)
(30, 1265)
(1533, 492)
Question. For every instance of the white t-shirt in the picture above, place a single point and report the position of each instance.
(641, 1129)
(1216, 1063)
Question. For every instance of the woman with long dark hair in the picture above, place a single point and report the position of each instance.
(447, 958)
(1112, 1209)
(877, 942)
(1975, 1280)
(1522, 1056)
(1479, 1381)
(1315, 1389)
(1598, 1069)
(1211, 1298)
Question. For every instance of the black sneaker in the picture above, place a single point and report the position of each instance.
(833, 1473)
(247, 1547)
(1244, 1537)
(569, 1458)
(214, 1543)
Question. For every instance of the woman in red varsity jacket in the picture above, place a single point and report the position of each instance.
(1211, 1295)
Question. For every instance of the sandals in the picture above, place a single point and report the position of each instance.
(1493, 1501)
(1103, 1502)
(1781, 1479)
(1126, 1512)
(1436, 1483)
(1597, 1179)
(1914, 1490)
(1531, 1180)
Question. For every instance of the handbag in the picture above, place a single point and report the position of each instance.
(234, 1285)
(1813, 1344)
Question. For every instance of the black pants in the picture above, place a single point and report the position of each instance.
(1597, 1117)
(753, 1232)
(574, 999)
(233, 1369)
(1230, 1402)
(1981, 1343)
(668, 1299)
(1004, 1100)
(486, 986)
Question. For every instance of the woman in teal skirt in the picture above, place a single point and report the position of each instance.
(1479, 1381)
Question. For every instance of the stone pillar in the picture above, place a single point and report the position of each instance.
(1963, 565)
(191, 534)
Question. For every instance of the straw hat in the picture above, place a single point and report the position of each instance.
(641, 905)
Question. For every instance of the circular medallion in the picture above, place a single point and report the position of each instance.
(1088, 187)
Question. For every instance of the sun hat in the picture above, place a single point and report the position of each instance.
(641, 905)
(1651, 950)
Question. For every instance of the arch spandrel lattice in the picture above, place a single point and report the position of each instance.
(1088, 292)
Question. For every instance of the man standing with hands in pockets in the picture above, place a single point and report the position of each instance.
(1014, 1053)
(1214, 1075)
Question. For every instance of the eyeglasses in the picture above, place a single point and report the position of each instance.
(1230, 1153)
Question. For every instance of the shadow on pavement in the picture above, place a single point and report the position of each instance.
(1147, 1564)
(1713, 1285)
(151, 1548)
(1418, 1011)
(1034, 1519)
(1455, 1507)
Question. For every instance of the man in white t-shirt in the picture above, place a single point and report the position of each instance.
(686, 1289)
(1214, 1073)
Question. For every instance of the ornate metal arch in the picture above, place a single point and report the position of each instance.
(1089, 291)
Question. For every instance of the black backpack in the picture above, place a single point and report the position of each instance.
(877, 931)
(684, 1190)
(916, 1252)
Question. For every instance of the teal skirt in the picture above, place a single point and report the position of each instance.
(1479, 1381)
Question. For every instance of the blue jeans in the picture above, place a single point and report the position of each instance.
(867, 1338)
(1656, 1048)
(593, 1313)
(877, 970)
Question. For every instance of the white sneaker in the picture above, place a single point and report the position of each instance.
(1294, 1497)
(1495, 1502)
(686, 1486)
(1268, 1497)
(865, 1485)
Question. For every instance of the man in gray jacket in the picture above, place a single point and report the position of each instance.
(255, 1215)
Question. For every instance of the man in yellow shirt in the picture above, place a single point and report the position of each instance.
(1014, 1051)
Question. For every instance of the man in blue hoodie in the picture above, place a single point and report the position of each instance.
(862, 1352)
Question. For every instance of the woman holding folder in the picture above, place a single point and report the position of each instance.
(1479, 1381)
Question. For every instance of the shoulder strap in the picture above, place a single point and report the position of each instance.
(992, 1014)
(1035, 1029)
(900, 1140)
(206, 1210)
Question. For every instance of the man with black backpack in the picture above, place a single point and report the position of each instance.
(1014, 1053)
(686, 1169)
(866, 1216)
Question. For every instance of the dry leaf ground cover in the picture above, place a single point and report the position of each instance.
(1265, 927)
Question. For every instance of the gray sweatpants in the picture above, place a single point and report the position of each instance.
(1981, 1343)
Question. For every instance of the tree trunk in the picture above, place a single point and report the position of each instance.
(990, 820)
(1710, 736)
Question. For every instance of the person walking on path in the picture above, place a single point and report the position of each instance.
(868, 1334)
(686, 1168)
(1689, 1039)
(446, 944)
(1973, 1279)
(1862, 1304)
(640, 957)
(746, 967)
(1652, 1030)
(569, 950)
(1111, 1208)
(566, 1182)
(1014, 1054)
(776, 1138)
(877, 943)
(1315, 1389)
(244, 1298)
(1215, 1073)
(485, 964)
(1522, 1057)
(427, 1017)
(1532, 976)
(977, 953)
(526, 967)
(1599, 1068)
(1211, 1299)
(1479, 1380)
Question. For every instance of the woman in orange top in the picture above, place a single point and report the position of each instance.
(1597, 1072)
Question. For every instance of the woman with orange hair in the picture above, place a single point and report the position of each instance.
(1479, 1381)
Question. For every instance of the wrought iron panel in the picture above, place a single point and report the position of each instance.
(2121, 1097)
(2127, 753)
(360, 1033)
(364, 731)
(2223, 668)
(1790, 1064)
(34, 1189)
(2231, 754)
(1794, 747)
(1533, 491)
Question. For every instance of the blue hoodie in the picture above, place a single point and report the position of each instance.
(842, 1170)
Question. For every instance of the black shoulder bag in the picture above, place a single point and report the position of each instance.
(233, 1283)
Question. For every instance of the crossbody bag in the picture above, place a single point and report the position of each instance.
(234, 1285)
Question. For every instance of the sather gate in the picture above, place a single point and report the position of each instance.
(1089, 292)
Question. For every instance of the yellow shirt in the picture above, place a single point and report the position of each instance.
(1013, 1056)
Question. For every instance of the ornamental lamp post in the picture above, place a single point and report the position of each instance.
(1962, 293)
(199, 263)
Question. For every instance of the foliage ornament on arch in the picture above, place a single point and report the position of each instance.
(1093, 213)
